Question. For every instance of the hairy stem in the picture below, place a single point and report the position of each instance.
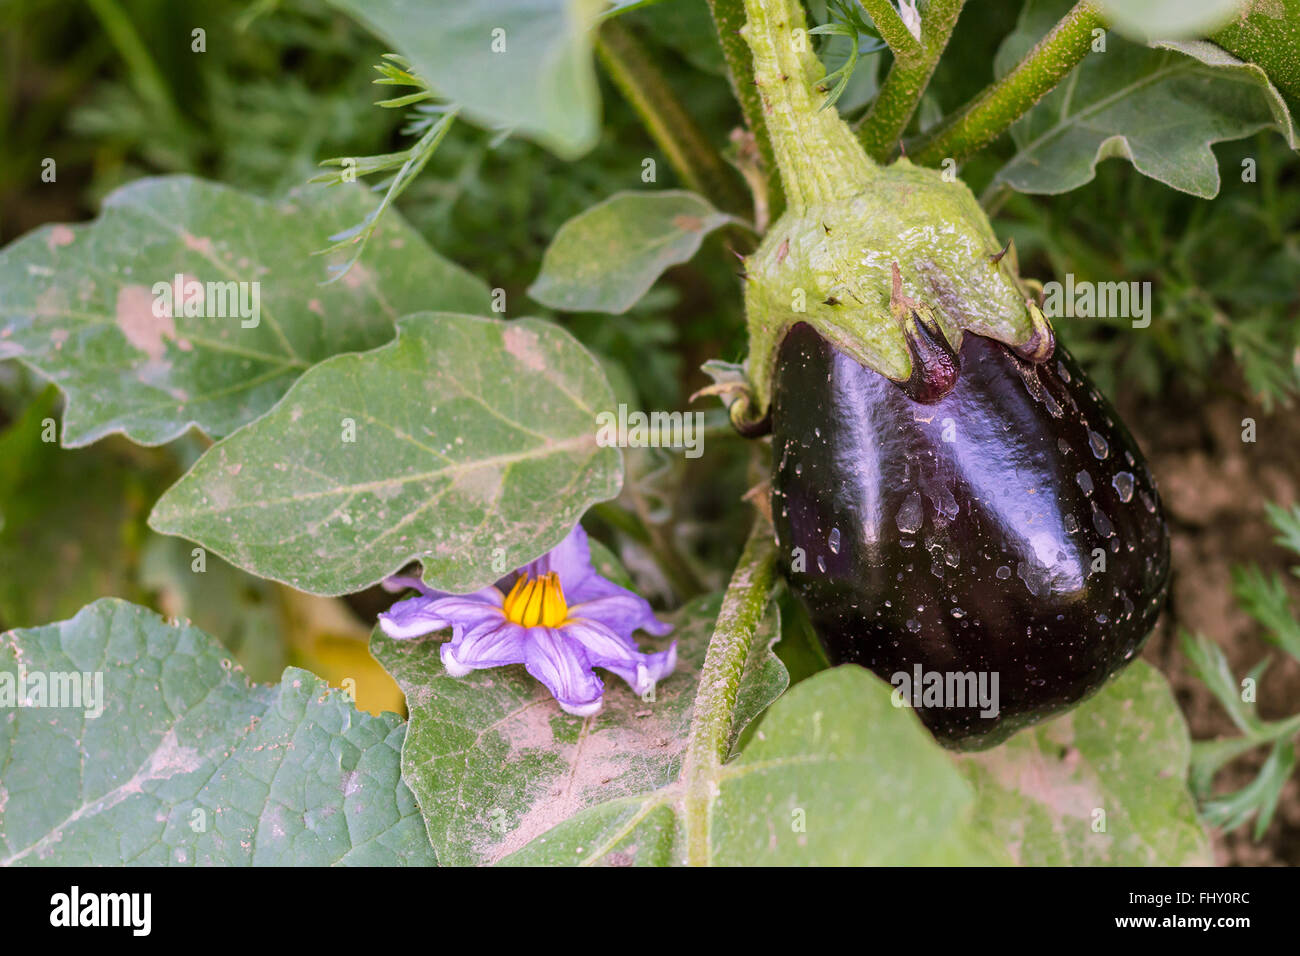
(892, 29)
(706, 747)
(990, 113)
(882, 128)
(819, 159)
(700, 166)
(728, 19)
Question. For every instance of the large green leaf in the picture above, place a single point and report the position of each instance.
(78, 303)
(69, 518)
(835, 775)
(495, 763)
(1268, 33)
(188, 763)
(1200, 93)
(524, 64)
(1103, 785)
(606, 258)
(468, 444)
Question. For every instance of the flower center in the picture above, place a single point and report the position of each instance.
(536, 601)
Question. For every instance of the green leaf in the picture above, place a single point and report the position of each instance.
(78, 303)
(189, 764)
(608, 257)
(1125, 752)
(468, 444)
(495, 763)
(1211, 665)
(1259, 798)
(509, 63)
(56, 555)
(1266, 600)
(835, 775)
(1287, 524)
(1167, 19)
(1268, 33)
(1201, 94)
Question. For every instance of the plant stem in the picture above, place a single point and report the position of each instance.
(742, 609)
(990, 113)
(700, 166)
(819, 159)
(728, 19)
(882, 128)
(892, 29)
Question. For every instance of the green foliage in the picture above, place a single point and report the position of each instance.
(606, 259)
(1201, 93)
(849, 21)
(1221, 273)
(410, 451)
(1265, 599)
(474, 444)
(187, 763)
(431, 124)
(545, 87)
(247, 317)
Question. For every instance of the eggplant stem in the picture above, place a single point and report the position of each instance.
(742, 609)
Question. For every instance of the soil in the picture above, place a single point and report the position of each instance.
(1214, 487)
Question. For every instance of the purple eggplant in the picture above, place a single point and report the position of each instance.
(1003, 528)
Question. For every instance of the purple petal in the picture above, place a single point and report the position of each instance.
(424, 614)
(584, 587)
(397, 583)
(489, 644)
(561, 664)
(622, 613)
(619, 655)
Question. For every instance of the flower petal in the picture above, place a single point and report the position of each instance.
(425, 614)
(488, 644)
(625, 611)
(622, 613)
(562, 665)
(619, 655)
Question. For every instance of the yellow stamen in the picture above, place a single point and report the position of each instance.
(534, 602)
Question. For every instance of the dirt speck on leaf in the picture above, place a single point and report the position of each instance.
(523, 345)
(143, 328)
(60, 236)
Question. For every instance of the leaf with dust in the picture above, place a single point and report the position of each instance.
(189, 764)
(468, 444)
(606, 258)
(1201, 93)
(495, 763)
(249, 314)
(834, 775)
(510, 64)
(1123, 752)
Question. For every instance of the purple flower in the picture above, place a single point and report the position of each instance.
(556, 616)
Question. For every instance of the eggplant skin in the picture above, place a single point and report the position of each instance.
(1011, 528)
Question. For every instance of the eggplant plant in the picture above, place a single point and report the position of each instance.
(415, 538)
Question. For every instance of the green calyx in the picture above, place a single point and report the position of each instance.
(830, 259)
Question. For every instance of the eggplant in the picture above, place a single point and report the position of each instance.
(1004, 526)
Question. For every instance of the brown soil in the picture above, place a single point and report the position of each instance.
(1214, 486)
